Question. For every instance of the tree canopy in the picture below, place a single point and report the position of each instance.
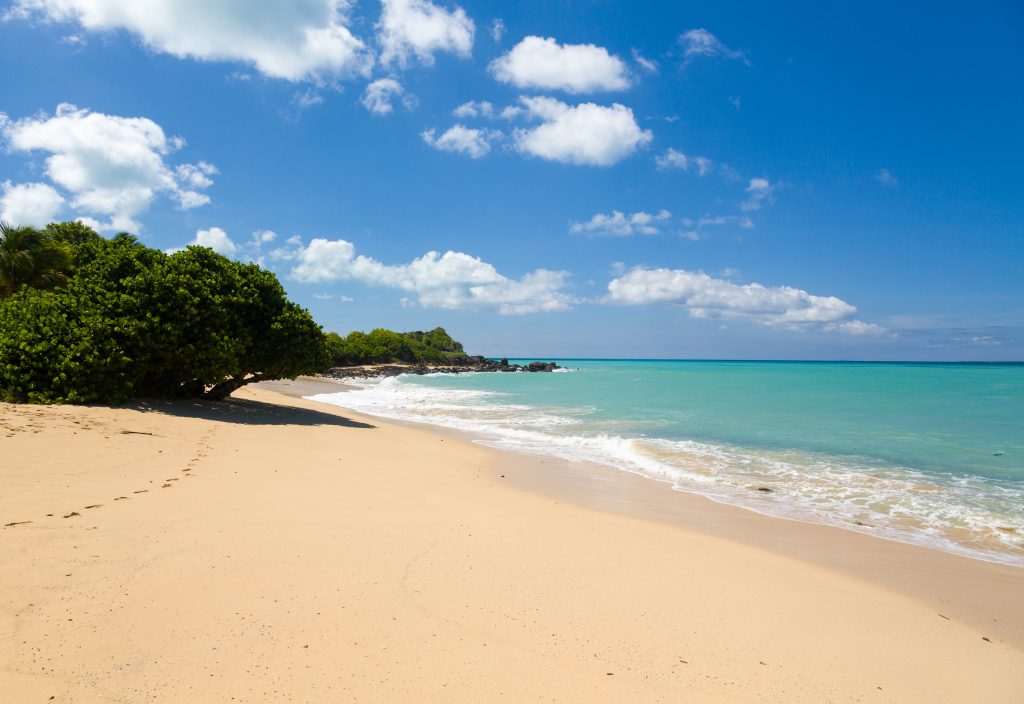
(382, 346)
(135, 322)
(31, 257)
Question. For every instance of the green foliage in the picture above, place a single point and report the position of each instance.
(31, 257)
(382, 346)
(135, 322)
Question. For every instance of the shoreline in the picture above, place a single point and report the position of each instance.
(283, 549)
(949, 581)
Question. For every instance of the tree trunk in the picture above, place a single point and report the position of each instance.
(227, 387)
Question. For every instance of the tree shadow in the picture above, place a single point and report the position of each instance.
(245, 412)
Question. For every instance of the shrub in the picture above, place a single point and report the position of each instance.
(134, 322)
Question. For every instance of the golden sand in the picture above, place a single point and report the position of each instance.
(272, 549)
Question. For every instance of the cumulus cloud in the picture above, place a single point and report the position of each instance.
(707, 297)
(452, 280)
(216, 239)
(584, 134)
(29, 203)
(474, 109)
(760, 192)
(290, 39)
(618, 224)
(196, 175)
(460, 139)
(536, 62)
(701, 42)
(855, 327)
(673, 159)
(379, 96)
(419, 28)
(112, 166)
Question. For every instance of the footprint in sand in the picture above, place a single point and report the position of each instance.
(140, 491)
(16, 523)
(94, 506)
(119, 498)
(73, 513)
(166, 486)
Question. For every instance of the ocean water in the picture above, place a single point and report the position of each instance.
(931, 454)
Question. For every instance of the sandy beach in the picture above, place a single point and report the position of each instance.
(271, 549)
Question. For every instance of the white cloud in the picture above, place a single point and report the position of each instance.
(707, 297)
(648, 65)
(887, 179)
(420, 28)
(672, 159)
(379, 95)
(585, 134)
(290, 39)
(451, 280)
(216, 239)
(618, 224)
(675, 159)
(511, 112)
(307, 98)
(855, 327)
(701, 42)
(196, 175)
(76, 40)
(736, 101)
(112, 166)
(460, 139)
(497, 30)
(332, 297)
(29, 203)
(474, 109)
(760, 192)
(536, 62)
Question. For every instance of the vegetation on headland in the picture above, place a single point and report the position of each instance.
(88, 319)
(382, 346)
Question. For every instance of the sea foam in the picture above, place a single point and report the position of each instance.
(970, 515)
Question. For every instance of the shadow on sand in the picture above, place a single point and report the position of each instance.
(246, 412)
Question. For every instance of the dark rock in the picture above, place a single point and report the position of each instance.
(541, 367)
(765, 489)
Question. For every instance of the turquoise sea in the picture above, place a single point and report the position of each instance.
(931, 454)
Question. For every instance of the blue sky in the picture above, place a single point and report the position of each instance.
(658, 179)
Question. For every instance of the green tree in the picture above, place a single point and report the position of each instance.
(381, 346)
(32, 257)
(135, 322)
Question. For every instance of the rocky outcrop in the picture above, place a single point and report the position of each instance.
(456, 365)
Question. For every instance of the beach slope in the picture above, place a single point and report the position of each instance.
(272, 549)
